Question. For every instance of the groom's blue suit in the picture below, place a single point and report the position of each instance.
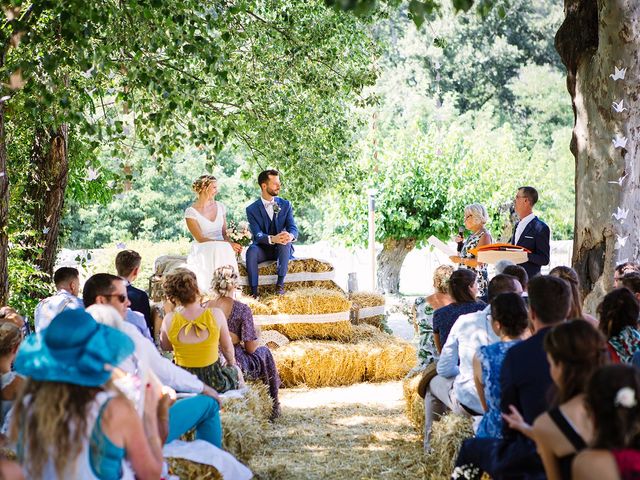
(261, 228)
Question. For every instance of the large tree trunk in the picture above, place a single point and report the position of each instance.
(49, 175)
(390, 262)
(4, 214)
(596, 36)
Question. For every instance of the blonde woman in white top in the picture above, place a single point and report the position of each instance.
(206, 221)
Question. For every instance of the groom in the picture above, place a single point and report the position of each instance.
(273, 228)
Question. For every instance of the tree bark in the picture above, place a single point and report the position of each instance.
(390, 262)
(49, 176)
(4, 214)
(596, 36)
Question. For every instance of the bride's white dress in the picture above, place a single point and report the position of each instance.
(205, 257)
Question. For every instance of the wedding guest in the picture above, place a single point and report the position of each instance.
(618, 314)
(612, 403)
(531, 232)
(571, 277)
(423, 311)
(107, 289)
(10, 382)
(256, 362)
(631, 281)
(520, 273)
(194, 332)
(453, 386)
(207, 223)
(575, 350)
(67, 282)
(463, 288)
(509, 321)
(199, 413)
(167, 372)
(273, 228)
(475, 219)
(622, 269)
(501, 265)
(67, 422)
(128, 267)
(10, 315)
(525, 382)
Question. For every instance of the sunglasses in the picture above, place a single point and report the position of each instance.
(121, 297)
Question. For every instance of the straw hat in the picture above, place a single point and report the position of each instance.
(74, 349)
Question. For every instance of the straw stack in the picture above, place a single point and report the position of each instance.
(447, 435)
(309, 302)
(182, 468)
(245, 420)
(297, 265)
(414, 403)
(370, 355)
(360, 300)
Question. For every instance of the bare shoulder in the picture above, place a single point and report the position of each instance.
(218, 314)
(544, 429)
(595, 464)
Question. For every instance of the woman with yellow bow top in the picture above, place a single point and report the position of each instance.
(193, 332)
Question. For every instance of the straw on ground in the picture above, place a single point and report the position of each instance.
(357, 432)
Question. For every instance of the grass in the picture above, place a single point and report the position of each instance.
(103, 259)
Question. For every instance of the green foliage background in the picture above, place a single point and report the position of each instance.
(462, 110)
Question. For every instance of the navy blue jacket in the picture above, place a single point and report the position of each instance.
(259, 220)
(526, 384)
(536, 239)
(140, 303)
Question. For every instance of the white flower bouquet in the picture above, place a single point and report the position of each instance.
(239, 233)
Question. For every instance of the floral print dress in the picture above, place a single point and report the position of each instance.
(470, 243)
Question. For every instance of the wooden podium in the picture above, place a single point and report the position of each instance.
(495, 252)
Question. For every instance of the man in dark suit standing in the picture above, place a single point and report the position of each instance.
(525, 384)
(273, 228)
(531, 232)
(128, 267)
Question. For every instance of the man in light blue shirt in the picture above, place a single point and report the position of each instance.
(67, 281)
(453, 388)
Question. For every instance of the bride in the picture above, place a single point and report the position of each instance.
(207, 223)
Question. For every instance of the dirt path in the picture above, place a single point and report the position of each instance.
(355, 433)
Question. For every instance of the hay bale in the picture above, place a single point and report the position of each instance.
(370, 355)
(305, 301)
(414, 403)
(292, 286)
(245, 420)
(183, 468)
(297, 265)
(340, 331)
(447, 435)
(256, 401)
(362, 300)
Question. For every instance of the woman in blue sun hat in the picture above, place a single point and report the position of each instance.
(68, 423)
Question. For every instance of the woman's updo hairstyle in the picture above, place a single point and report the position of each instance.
(225, 281)
(510, 311)
(181, 286)
(441, 277)
(10, 338)
(202, 183)
(612, 400)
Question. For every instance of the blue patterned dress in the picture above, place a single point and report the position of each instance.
(491, 358)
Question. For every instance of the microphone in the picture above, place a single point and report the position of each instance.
(461, 233)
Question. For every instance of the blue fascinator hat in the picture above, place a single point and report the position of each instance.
(74, 349)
